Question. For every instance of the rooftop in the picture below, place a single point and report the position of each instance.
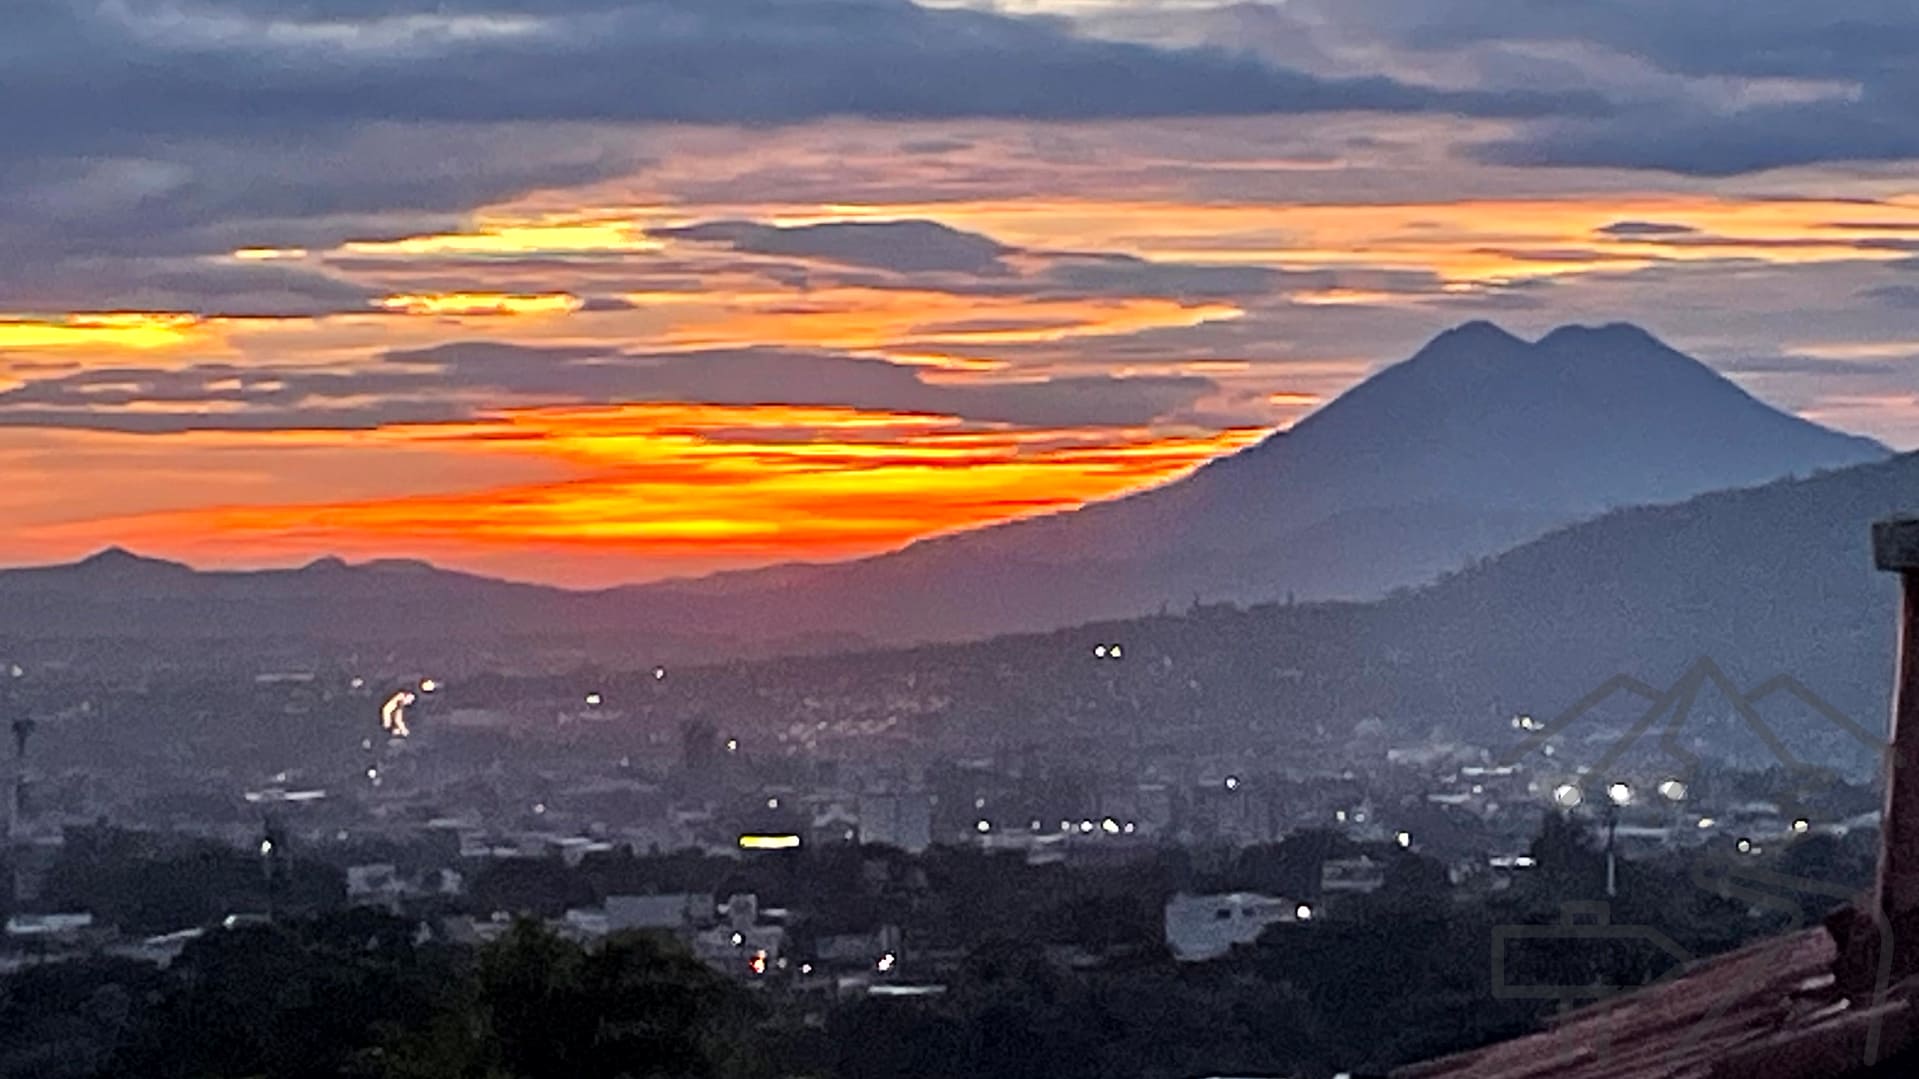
(1770, 1009)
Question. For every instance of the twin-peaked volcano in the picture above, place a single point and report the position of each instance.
(1480, 441)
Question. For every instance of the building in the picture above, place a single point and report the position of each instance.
(1351, 876)
(741, 944)
(903, 820)
(675, 912)
(1202, 927)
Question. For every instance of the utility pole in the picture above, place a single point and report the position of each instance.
(1895, 547)
(23, 728)
(273, 863)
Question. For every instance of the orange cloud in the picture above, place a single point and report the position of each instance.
(736, 483)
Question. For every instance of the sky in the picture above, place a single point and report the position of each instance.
(591, 291)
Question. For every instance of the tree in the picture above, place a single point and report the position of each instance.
(638, 1006)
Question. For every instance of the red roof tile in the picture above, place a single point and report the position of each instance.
(1768, 1009)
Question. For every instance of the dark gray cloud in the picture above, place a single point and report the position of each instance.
(1640, 229)
(1795, 364)
(142, 224)
(213, 68)
(1740, 38)
(1905, 297)
(206, 287)
(906, 252)
(1129, 276)
(1774, 82)
(905, 247)
(182, 128)
(1874, 127)
(470, 379)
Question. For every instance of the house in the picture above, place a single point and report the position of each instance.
(1203, 927)
(741, 945)
(1352, 876)
(674, 912)
(1835, 1001)
(60, 928)
(903, 820)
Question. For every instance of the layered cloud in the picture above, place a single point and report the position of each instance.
(879, 266)
(469, 380)
(164, 127)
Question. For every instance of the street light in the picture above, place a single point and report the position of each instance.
(1618, 796)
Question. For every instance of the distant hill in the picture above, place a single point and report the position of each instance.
(1767, 581)
(1775, 580)
(330, 608)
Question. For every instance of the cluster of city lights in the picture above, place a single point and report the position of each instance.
(1619, 793)
(1107, 826)
(1674, 790)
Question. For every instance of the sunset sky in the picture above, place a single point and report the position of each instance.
(589, 291)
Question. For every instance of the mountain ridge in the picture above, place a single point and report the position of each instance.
(1478, 442)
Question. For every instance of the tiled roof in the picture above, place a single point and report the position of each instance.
(1770, 1009)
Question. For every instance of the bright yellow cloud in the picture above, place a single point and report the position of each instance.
(134, 332)
(482, 303)
(505, 237)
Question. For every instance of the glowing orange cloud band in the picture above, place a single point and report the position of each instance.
(760, 481)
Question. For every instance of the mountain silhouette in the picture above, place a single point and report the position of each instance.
(1478, 442)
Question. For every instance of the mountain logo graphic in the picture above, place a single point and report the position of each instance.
(1676, 705)
(1724, 875)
